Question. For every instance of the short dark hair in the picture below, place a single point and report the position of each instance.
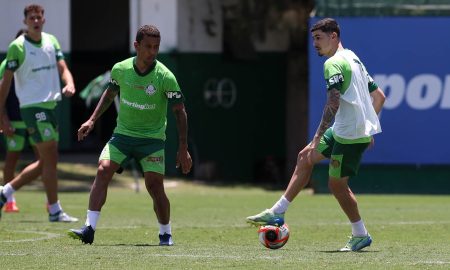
(327, 25)
(20, 32)
(33, 7)
(147, 30)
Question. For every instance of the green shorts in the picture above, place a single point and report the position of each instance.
(41, 124)
(148, 152)
(344, 158)
(17, 142)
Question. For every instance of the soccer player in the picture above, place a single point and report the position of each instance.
(353, 101)
(35, 61)
(146, 88)
(13, 129)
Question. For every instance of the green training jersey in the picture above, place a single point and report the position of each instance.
(144, 98)
(356, 119)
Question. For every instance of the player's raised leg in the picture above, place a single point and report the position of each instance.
(300, 178)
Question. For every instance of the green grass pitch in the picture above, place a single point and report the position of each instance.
(209, 230)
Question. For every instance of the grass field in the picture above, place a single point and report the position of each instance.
(409, 232)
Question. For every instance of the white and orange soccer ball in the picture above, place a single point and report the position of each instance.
(273, 237)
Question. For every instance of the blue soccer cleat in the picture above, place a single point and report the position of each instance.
(266, 217)
(357, 243)
(165, 240)
(85, 234)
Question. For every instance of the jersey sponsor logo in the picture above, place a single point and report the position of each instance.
(138, 106)
(49, 67)
(155, 159)
(173, 95)
(421, 92)
(150, 90)
(338, 78)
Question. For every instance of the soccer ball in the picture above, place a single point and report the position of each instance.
(273, 237)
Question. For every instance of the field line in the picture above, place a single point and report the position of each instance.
(46, 236)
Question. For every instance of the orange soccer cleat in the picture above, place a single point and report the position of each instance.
(11, 207)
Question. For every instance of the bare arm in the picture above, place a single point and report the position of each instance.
(104, 103)
(5, 85)
(329, 111)
(66, 76)
(183, 157)
(378, 99)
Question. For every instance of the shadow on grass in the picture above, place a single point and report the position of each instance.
(130, 245)
(338, 251)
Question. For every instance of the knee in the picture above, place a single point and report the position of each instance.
(104, 173)
(337, 186)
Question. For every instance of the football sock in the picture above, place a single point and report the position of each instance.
(358, 229)
(10, 198)
(281, 206)
(8, 191)
(54, 208)
(165, 228)
(91, 218)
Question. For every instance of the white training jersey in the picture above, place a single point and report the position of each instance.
(356, 118)
(36, 78)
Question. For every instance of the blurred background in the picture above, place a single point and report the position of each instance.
(254, 87)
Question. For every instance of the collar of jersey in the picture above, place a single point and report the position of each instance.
(145, 73)
(36, 43)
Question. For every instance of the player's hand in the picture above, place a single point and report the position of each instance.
(184, 159)
(85, 129)
(68, 90)
(7, 129)
(308, 152)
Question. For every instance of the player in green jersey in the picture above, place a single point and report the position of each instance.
(15, 133)
(36, 63)
(146, 89)
(353, 101)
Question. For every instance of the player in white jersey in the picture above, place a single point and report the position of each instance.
(35, 61)
(353, 101)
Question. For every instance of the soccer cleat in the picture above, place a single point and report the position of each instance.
(11, 207)
(61, 217)
(85, 234)
(357, 243)
(165, 240)
(2, 200)
(266, 217)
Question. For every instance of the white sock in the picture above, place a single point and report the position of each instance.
(281, 206)
(358, 229)
(54, 208)
(10, 198)
(91, 218)
(165, 228)
(8, 191)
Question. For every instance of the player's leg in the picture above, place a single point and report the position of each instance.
(113, 155)
(299, 179)
(14, 146)
(43, 129)
(344, 163)
(151, 158)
